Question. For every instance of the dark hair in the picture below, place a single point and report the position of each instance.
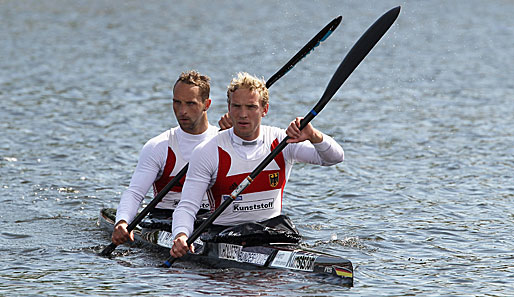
(192, 77)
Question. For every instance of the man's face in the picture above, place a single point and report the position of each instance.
(246, 112)
(189, 108)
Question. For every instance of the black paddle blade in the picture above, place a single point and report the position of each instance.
(307, 49)
(358, 52)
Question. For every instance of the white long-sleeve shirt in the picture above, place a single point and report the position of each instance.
(203, 168)
(150, 166)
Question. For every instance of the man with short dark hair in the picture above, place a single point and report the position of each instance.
(163, 156)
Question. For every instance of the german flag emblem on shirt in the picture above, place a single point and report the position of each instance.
(273, 179)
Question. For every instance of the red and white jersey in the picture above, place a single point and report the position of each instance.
(221, 163)
(174, 163)
(161, 158)
(262, 199)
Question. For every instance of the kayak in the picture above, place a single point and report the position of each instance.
(244, 255)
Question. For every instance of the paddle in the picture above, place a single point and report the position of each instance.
(307, 49)
(347, 66)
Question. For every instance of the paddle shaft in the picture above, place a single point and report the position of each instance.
(304, 51)
(347, 66)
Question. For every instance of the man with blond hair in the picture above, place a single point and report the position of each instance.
(163, 156)
(221, 163)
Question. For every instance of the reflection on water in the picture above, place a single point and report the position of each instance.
(422, 203)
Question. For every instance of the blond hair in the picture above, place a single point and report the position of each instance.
(250, 82)
(192, 77)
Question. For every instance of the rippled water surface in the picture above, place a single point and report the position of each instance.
(422, 205)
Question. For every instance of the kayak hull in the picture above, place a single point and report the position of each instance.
(225, 255)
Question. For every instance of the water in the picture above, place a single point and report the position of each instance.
(422, 204)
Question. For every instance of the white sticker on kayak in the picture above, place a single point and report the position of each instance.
(294, 260)
(165, 239)
(198, 241)
(229, 251)
(281, 259)
(235, 253)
